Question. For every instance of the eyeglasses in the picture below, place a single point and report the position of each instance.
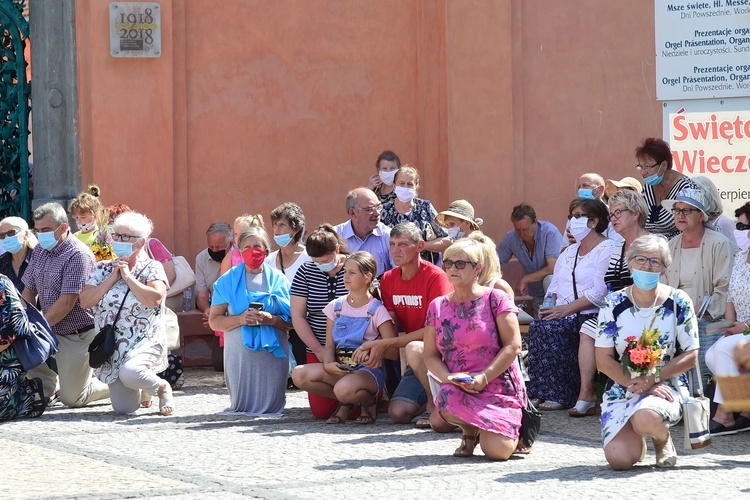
(684, 211)
(13, 232)
(740, 227)
(617, 213)
(643, 261)
(460, 264)
(372, 209)
(578, 216)
(641, 168)
(124, 237)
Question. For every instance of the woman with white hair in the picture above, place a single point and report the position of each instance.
(18, 242)
(635, 404)
(138, 284)
(715, 209)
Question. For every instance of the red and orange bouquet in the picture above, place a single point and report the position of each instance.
(643, 356)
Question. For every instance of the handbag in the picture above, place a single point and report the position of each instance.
(103, 346)
(36, 349)
(172, 328)
(696, 413)
(531, 418)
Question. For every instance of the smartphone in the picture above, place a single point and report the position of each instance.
(461, 380)
(256, 305)
(344, 367)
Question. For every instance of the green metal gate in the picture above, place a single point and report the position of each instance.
(15, 105)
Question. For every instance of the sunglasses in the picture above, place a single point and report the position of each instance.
(460, 264)
(741, 226)
(13, 232)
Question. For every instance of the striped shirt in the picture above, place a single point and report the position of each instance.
(617, 276)
(319, 289)
(62, 271)
(660, 220)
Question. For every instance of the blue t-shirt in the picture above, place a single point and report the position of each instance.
(547, 242)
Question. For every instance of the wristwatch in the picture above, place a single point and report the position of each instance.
(656, 379)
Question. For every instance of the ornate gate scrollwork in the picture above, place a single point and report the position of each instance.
(15, 105)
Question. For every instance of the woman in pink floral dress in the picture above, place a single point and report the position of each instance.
(481, 389)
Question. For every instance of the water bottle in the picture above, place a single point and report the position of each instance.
(187, 300)
(548, 300)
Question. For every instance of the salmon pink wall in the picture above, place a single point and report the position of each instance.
(255, 103)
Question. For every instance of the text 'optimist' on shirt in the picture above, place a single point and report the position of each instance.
(407, 300)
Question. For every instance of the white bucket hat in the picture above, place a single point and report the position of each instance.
(692, 197)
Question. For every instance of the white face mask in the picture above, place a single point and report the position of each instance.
(579, 228)
(743, 242)
(454, 233)
(387, 177)
(405, 194)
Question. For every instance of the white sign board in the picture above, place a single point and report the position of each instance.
(702, 49)
(134, 29)
(712, 138)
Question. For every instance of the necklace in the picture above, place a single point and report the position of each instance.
(638, 309)
(353, 300)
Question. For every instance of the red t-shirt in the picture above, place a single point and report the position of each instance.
(410, 299)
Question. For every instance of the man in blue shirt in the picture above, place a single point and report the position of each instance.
(364, 231)
(536, 245)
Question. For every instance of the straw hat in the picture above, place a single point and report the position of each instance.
(612, 186)
(460, 209)
(692, 197)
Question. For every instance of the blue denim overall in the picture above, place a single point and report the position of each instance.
(348, 331)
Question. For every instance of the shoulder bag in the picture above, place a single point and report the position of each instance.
(531, 418)
(36, 349)
(184, 275)
(696, 407)
(103, 346)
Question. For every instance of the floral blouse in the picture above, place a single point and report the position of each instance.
(138, 328)
(739, 286)
(13, 321)
(423, 215)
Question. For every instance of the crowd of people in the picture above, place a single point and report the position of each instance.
(403, 308)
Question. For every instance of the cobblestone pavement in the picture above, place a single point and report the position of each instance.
(195, 453)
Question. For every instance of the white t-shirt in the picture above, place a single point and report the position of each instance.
(289, 271)
(381, 316)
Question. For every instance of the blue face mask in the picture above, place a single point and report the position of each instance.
(645, 280)
(47, 240)
(12, 244)
(283, 239)
(653, 180)
(328, 267)
(587, 193)
(122, 248)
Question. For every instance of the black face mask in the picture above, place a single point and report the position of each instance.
(217, 256)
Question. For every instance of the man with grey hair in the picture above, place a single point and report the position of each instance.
(406, 292)
(208, 264)
(56, 275)
(590, 186)
(364, 231)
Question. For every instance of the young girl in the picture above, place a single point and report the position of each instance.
(352, 319)
(86, 210)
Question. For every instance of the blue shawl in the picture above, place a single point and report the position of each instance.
(231, 289)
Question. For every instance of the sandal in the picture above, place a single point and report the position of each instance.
(583, 409)
(667, 456)
(521, 449)
(423, 422)
(166, 401)
(40, 403)
(468, 443)
(367, 418)
(335, 419)
(145, 399)
(551, 406)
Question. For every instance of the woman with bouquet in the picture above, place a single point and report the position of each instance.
(648, 338)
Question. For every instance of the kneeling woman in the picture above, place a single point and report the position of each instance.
(634, 408)
(353, 319)
(131, 289)
(471, 342)
(250, 304)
